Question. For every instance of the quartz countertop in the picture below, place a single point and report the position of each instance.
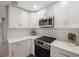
(13, 40)
(66, 46)
(57, 43)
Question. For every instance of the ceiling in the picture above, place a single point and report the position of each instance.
(29, 5)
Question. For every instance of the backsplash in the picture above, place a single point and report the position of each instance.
(14, 33)
(58, 33)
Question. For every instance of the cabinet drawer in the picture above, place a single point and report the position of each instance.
(68, 54)
(10, 50)
(57, 52)
(19, 49)
(21, 43)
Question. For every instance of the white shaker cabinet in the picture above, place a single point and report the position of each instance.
(58, 52)
(55, 52)
(24, 19)
(35, 17)
(41, 13)
(66, 14)
(17, 49)
(63, 49)
(33, 20)
(50, 11)
(73, 13)
(28, 47)
(33, 47)
(20, 49)
(60, 15)
(17, 18)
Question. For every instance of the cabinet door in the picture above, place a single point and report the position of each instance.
(19, 49)
(28, 47)
(17, 18)
(33, 22)
(55, 52)
(35, 17)
(50, 11)
(42, 13)
(13, 17)
(73, 11)
(24, 19)
(33, 47)
(60, 15)
(58, 52)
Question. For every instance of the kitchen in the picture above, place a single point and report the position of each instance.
(35, 27)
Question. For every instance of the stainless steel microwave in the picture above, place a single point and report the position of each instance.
(48, 22)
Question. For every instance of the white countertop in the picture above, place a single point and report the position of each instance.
(57, 43)
(13, 40)
(66, 46)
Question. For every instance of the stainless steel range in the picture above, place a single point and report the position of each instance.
(42, 46)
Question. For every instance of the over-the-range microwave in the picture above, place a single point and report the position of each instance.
(47, 22)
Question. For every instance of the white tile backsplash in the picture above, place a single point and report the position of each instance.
(13, 33)
(58, 33)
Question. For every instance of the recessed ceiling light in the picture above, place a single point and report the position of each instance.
(35, 6)
(64, 2)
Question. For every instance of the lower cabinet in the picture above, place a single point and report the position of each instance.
(57, 52)
(17, 49)
(20, 49)
(33, 47)
(28, 47)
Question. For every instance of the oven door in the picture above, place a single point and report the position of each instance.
(41, 52)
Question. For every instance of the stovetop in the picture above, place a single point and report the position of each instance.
(47, 39)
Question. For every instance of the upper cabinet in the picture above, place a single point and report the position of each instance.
(60, 15)
(33, 20)
(17, 18)
(50, 11)
(45, 17)
(66, 14)
(73, 13)
(41, 13)
(35, 17)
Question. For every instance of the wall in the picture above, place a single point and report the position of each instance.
(2, 11)
(14, 33)
(58, 33)
(3, 8)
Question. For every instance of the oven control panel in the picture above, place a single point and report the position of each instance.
(42, 44)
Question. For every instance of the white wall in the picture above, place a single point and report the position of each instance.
(2, 9)
(59, 33)
(14, 33)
